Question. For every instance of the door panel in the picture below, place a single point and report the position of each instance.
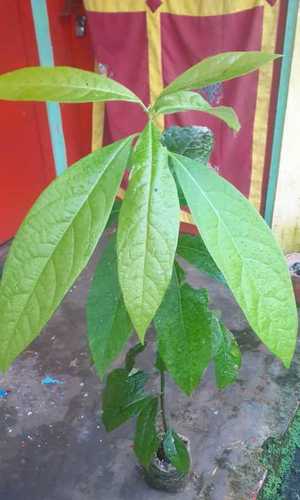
(26, 164)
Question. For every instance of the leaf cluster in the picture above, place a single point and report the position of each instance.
(137, 281)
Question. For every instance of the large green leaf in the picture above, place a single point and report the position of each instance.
(184, 329)
(176, 451)
(108, 323)
(185, 100)
(218, 68)
(180, 272)
(146, 441)
(123, 397)
(159, 364)
(114, 214)
(227, 359)
(246, 252)
(147, 230)
(193, 249)
(54, 244)
(61, 84)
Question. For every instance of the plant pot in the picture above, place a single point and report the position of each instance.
(162, 475)
(293, 260)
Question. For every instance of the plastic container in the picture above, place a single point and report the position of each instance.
(162, 475)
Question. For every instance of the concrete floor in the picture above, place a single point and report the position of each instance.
(53, 445)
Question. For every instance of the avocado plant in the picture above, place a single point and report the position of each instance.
(138, 281)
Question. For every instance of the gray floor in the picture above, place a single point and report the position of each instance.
(54, 447)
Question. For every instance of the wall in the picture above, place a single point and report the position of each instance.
(286, 218)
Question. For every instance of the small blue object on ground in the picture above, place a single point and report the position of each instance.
(51, 381)
(3, 394)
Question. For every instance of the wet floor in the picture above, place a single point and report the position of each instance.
(53, 445)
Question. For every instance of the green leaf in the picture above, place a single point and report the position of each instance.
(114, 214)
(176, 451)
(159, 364)
(227, 360)
(108, 323)
(183, 325)
(218, 68)
(194, 142)
(146, 440)
(132, 354)
(184, 101)
(147, 230)
(194, 251)
(55, 243)
(123, 397)
(246, 252)
(181, 274)
(62, 84)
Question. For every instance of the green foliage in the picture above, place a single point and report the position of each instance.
(183, 325)
(147, 230)
(146, 441)
(108, 323)
(62, 84)
(123, 397)
(278, 456)
(246, 252)
(194, 251)
(180, 273)
(227, 357)
(159, 364)
(183, 101)
(136, 280)
(55, 243)
(194, 142)
(217, 68)
(176, 451)
(114, 214)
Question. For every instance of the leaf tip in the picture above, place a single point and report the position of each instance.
(286, 361)
(140, 329)
(237, 127)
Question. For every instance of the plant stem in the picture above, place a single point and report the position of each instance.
(162, 401)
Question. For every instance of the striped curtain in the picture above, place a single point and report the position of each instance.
(146, 44)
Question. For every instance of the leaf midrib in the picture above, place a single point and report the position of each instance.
(65, 87)
(220, 222)
(149, 200)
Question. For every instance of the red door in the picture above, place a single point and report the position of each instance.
(26, 157)
(27, 164)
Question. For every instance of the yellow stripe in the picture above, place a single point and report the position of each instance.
(98, 111)
(207, 7)
(97, 124)
(115, 5)
(178, 7)
(260, 130)
(154, 59)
